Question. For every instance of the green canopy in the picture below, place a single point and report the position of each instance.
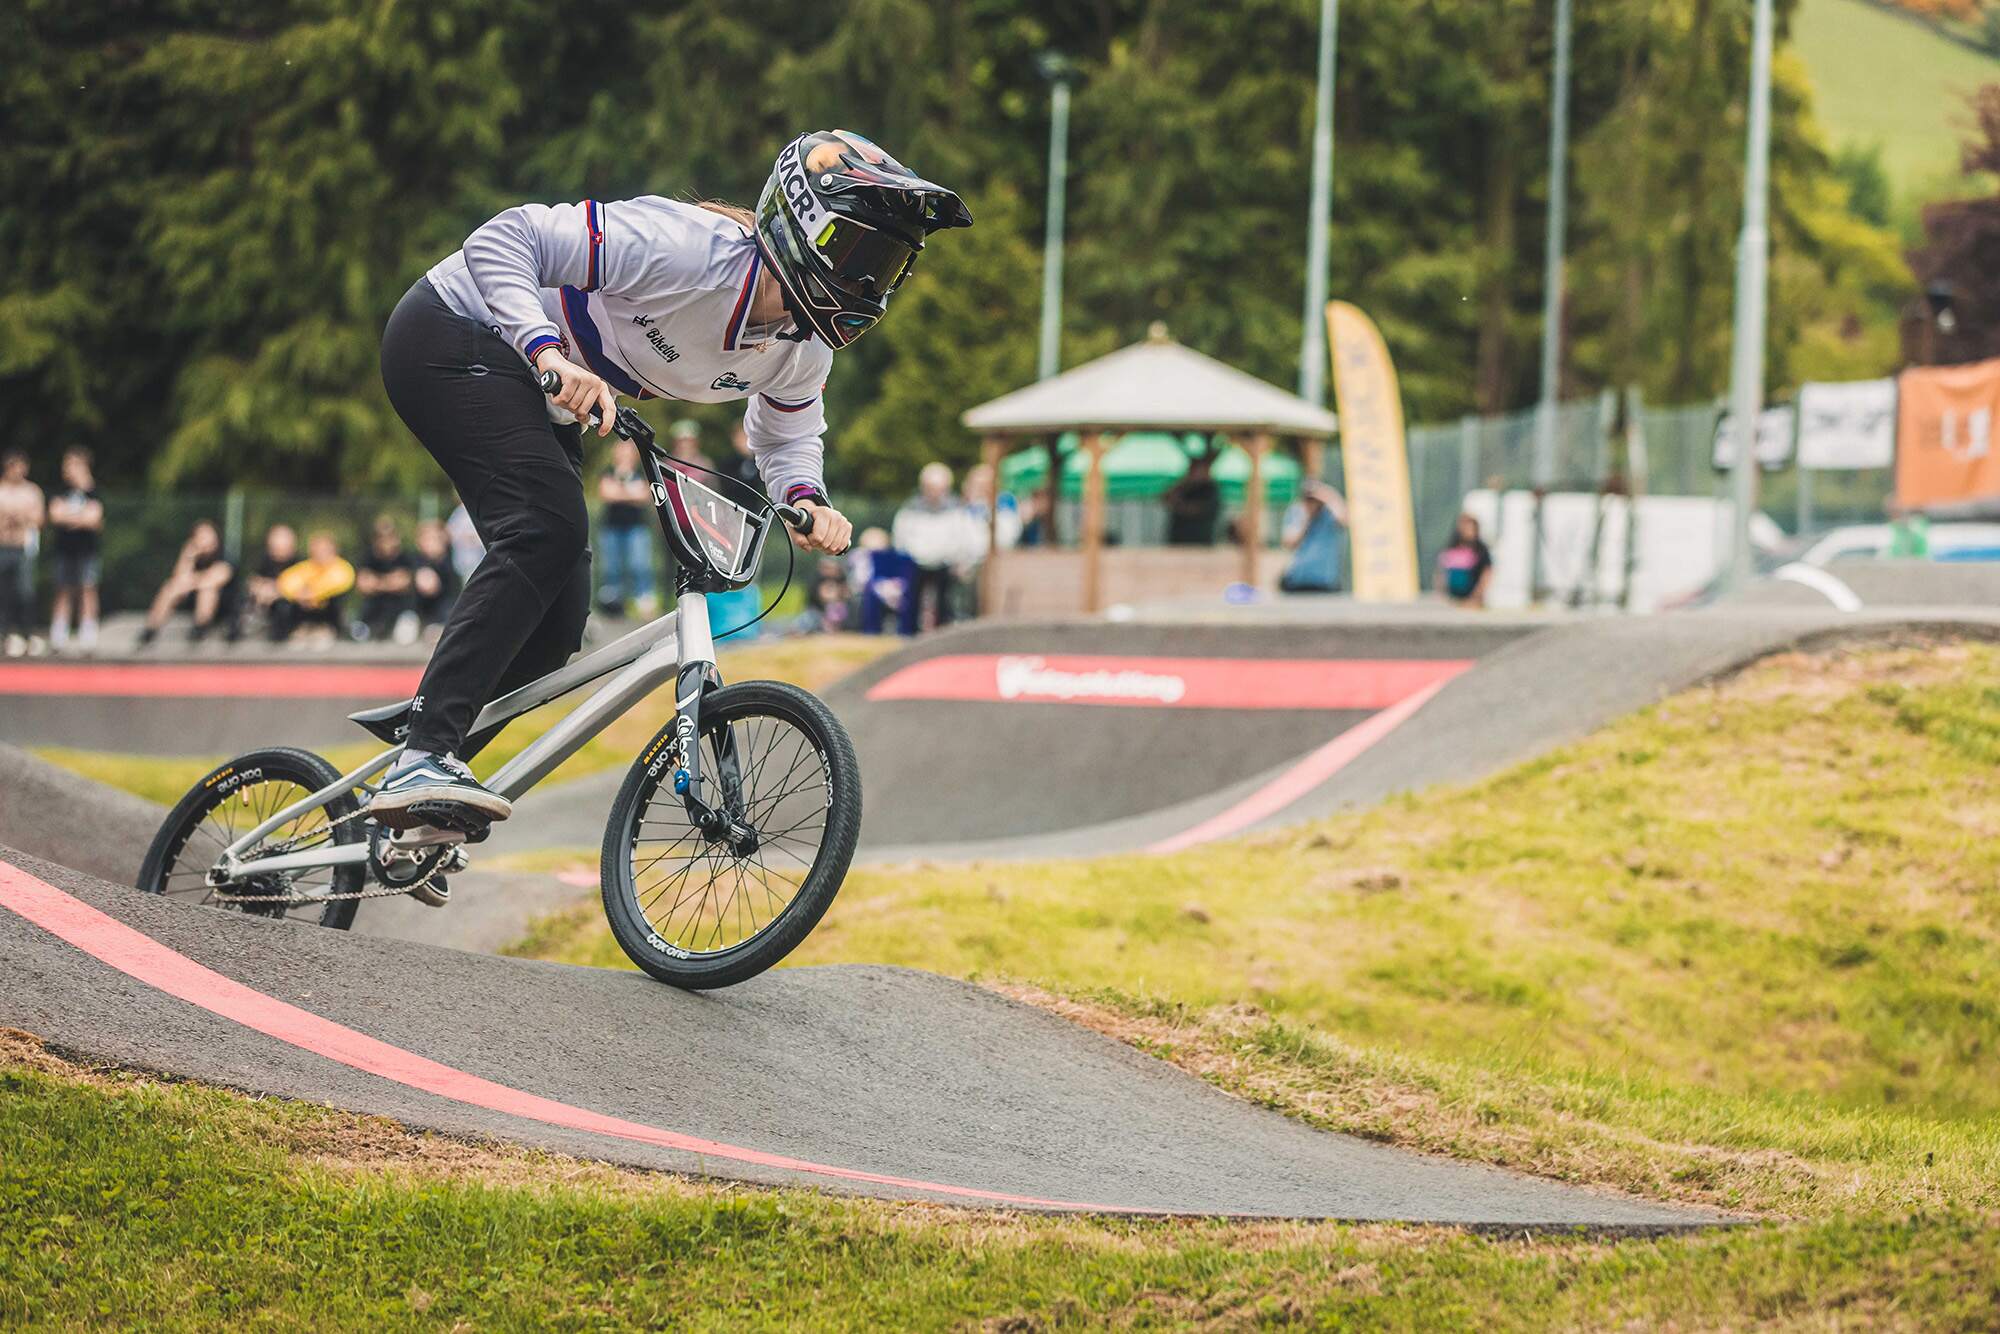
(1143, 464)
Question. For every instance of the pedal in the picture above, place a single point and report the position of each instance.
(433, 893)
(426, 836)
(450, 815)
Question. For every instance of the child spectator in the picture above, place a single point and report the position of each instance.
(386, 583)
(76, 518)
(828, 599)
(316, 586)
(885, 580)
(433, 575)
(1465, 568)
(281, 552)
(200, 584)
(21, 510)
(623, 534)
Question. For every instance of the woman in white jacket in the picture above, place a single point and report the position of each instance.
(644, 297)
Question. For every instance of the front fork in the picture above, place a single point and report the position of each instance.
(723, 822)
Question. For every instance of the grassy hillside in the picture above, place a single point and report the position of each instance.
(1882, 80)
(131, 1204)
(1740, 949)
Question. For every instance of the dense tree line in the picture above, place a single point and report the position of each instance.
(208, 207)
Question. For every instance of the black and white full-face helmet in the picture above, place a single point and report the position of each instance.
(841, 223)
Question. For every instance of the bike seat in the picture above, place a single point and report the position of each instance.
(391, 722)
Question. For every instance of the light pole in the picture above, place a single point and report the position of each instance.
(1552, 259)
(1057, 71)
(1746, 376)
(1312, 338)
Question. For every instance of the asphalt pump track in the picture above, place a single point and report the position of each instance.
(875, 1080)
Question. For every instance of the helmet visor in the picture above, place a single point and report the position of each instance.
(863, 259)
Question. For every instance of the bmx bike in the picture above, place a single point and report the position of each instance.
(724, 847)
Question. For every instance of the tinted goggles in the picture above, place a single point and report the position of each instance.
(863, 259)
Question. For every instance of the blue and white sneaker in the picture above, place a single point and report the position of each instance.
(427, 789)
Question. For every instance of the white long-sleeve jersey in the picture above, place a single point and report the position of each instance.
(654, 296)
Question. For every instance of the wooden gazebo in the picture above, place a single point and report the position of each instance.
(1157, 385)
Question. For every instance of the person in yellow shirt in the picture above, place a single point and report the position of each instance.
(315, 586)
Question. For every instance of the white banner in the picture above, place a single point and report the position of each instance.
(1847, 426)
(1774, 439)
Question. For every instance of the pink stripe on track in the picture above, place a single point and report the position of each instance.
(1302, 777)
(188, 680)
(138, 955)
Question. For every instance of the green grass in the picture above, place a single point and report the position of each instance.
(1742, 948)
(811, 662)
(125, 1203)
(1883, 81)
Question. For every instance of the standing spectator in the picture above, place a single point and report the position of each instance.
(434, 577)
(466, 548)
(316, 586)
(936, 531)
(622, 532)
(387, 585)
(199, 584)
(978, 495)
(281, 552)
(21, 510)
(742, 463)
(1465, 567)
(1194, 503)
(1312, 531)
(77, 519)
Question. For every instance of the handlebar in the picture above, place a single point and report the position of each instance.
(629, 425)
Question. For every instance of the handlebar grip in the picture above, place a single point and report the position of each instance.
(801, 520)
(552, 385)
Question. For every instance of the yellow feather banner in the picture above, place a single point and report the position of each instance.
(1374, 457)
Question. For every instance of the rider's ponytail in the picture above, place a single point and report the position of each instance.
(736, 213)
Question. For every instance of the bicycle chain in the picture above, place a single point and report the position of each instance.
(300, 900)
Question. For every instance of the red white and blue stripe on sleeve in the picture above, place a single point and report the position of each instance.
(593, 221)
(535, 346)
(786, 405)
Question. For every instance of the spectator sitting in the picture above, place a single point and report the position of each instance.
(685, 444)
(466, 548)
(315, 587)
(1465, 567)
(1194, 503)
(1313, 525)
(936, 531)
(77, 520)
(884, 578)
(200, 584)
(433, 576)
(281, 552)
(21, 508)
(387, 587)
(828, 599)
(623, 535)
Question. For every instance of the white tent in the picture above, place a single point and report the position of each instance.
(1154, 385)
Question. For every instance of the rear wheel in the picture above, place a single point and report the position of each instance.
(700, 913)
(229, 803)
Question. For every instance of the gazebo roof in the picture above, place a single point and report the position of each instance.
(1154, 385)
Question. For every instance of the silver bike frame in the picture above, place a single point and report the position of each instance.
(642, 661)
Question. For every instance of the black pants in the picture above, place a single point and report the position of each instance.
(474, 404)
(17, 605)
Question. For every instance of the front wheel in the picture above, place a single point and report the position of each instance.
(698, 913)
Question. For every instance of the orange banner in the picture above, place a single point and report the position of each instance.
(1944, 433)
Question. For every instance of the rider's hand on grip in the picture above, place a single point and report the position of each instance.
(827, 532)
(576, 389)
